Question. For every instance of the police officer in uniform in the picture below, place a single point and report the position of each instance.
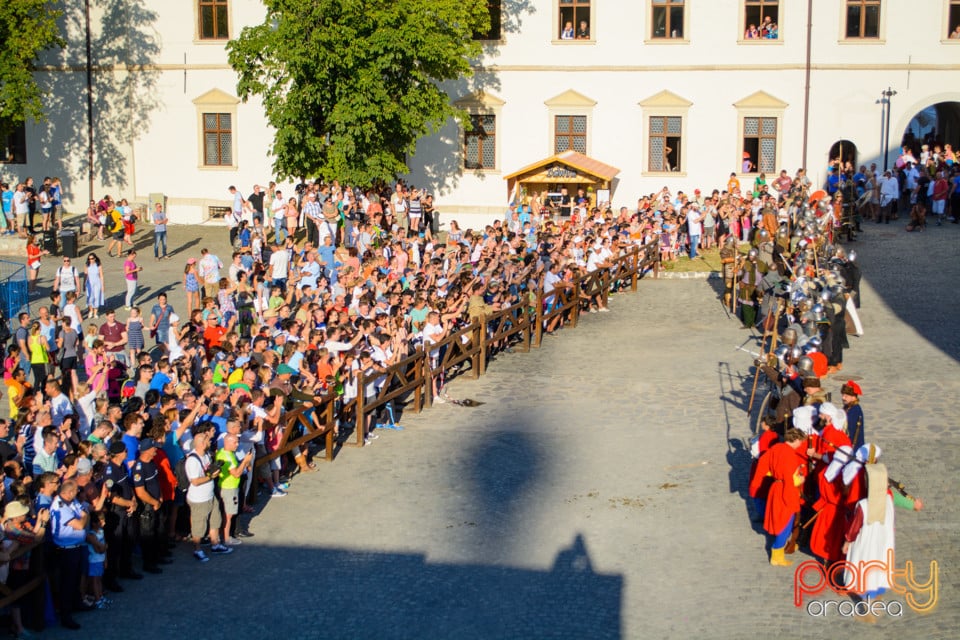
(121, 529)
(146, 486)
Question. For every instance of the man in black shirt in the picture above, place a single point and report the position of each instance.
(256, 202)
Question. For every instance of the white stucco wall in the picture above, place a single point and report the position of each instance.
(149, 142)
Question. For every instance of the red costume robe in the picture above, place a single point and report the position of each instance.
(767, 439)
(826, 540)
(781, 462)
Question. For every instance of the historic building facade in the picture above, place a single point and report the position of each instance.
(661, 92)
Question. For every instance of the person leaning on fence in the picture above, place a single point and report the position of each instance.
(281, 387)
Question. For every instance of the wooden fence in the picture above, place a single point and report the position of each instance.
(410, 381)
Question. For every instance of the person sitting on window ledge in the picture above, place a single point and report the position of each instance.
(583, 32)
(567, 33)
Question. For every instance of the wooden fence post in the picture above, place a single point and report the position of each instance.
(576, 303)
(482, 320)
(428, 380)
(361, 419)
(418, 390)
(605, 287)
(538, 316)
(636, 269)
(476, 340)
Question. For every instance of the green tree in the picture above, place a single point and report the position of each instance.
(27, 27)
(349, 86)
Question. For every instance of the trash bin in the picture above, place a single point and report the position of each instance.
(50, 241)
(68, 243)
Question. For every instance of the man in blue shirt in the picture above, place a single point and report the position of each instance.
(6, 200)
(69, 530)
(159, 232)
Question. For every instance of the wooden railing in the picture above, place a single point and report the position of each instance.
(7, 595)
(299, 428)
(410, 381)
(401, 379)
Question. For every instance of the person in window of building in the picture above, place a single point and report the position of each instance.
(771, 32)
(752, 33)
(747, 163)
(955, 34)
(583, 31)
(567, 33)
(766, 27)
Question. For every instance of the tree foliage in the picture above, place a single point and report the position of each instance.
(349, 86)
(27, 27)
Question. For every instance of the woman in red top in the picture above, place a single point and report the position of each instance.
(34, 252)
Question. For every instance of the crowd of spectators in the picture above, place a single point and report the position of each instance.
(144, 432)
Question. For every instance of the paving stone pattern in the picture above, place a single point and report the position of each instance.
(597, 493)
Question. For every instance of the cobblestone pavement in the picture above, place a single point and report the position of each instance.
(597, 493)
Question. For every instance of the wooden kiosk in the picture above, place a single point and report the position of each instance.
(570, 170)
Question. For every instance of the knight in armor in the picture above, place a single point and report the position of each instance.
(750, 276)
(728, 259)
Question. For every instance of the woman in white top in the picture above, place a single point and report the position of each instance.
(173, 338)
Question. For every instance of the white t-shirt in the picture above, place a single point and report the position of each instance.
(20, 204)
(280, 262)
(429, 331)
(196, 469)
(279, 208)
(67, 277)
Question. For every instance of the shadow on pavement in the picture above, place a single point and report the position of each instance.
(343, 593)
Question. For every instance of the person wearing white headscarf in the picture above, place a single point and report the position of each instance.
(826, 539)
(870, 535)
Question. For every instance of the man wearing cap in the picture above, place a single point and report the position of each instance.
(121, 527)
(851, 392)
(90, 492)
(146, 485)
